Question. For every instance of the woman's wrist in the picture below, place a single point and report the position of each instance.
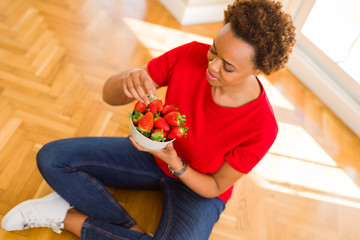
(177, 168)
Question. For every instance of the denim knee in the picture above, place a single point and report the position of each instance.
(47, 157)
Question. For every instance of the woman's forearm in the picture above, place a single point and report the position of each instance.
(203, 184)
(208, 185)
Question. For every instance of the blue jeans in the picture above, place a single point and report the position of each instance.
(79, 169)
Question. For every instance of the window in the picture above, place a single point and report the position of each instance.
(333, 26)
(327, 54)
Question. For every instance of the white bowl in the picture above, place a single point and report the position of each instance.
(146, 142)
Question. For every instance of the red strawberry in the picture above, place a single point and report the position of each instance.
(168, 108)
(146, 123)
(175, 119)
(136, 117)
(140, 106)
(156, 105)
(158, 135)
(177, 132)
(161, 124)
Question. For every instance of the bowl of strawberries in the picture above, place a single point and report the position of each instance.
(153, 126)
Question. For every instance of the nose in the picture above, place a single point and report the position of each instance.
(215, 64)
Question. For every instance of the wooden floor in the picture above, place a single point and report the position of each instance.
(54, 58)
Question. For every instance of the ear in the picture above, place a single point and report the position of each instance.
(257, 72)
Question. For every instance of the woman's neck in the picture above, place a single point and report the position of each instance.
(237, 96)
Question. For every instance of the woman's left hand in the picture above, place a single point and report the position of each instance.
(167, 154)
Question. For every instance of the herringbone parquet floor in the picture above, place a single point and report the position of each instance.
(54, 58)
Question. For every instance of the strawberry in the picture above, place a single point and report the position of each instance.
(177, 132)
(146, 123)
(155, 105)
(174, 119)
(158, 135)
(168, 108)
(140, 106)
(161, 124)
(136, 117)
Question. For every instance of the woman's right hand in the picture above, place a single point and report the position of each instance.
(138, 84)
(129, 85)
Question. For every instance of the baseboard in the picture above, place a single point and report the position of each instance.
(195, 14)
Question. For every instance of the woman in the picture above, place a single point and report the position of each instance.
(231, 127)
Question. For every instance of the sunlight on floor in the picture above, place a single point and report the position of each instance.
(275, 97)
(159, 39)
(310, 180)
(296, 164)
(295, 142)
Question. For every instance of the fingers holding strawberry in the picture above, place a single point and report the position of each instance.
(138, 84)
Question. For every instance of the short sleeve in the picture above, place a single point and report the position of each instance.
(160, 67)
(246, 156)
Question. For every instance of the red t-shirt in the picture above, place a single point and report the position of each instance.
(241, 136)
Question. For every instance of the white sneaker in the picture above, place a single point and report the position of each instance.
(49, 211)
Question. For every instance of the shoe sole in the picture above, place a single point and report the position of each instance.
(25, 203)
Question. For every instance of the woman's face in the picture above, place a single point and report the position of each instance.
(230, 60)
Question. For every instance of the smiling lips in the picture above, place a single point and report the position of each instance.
(210, 76)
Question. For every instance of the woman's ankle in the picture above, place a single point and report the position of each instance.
(74, 220)
(137, 228)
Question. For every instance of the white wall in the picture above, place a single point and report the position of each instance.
(197, 11)
(206, 2)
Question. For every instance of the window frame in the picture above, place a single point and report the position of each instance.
(325, 78)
